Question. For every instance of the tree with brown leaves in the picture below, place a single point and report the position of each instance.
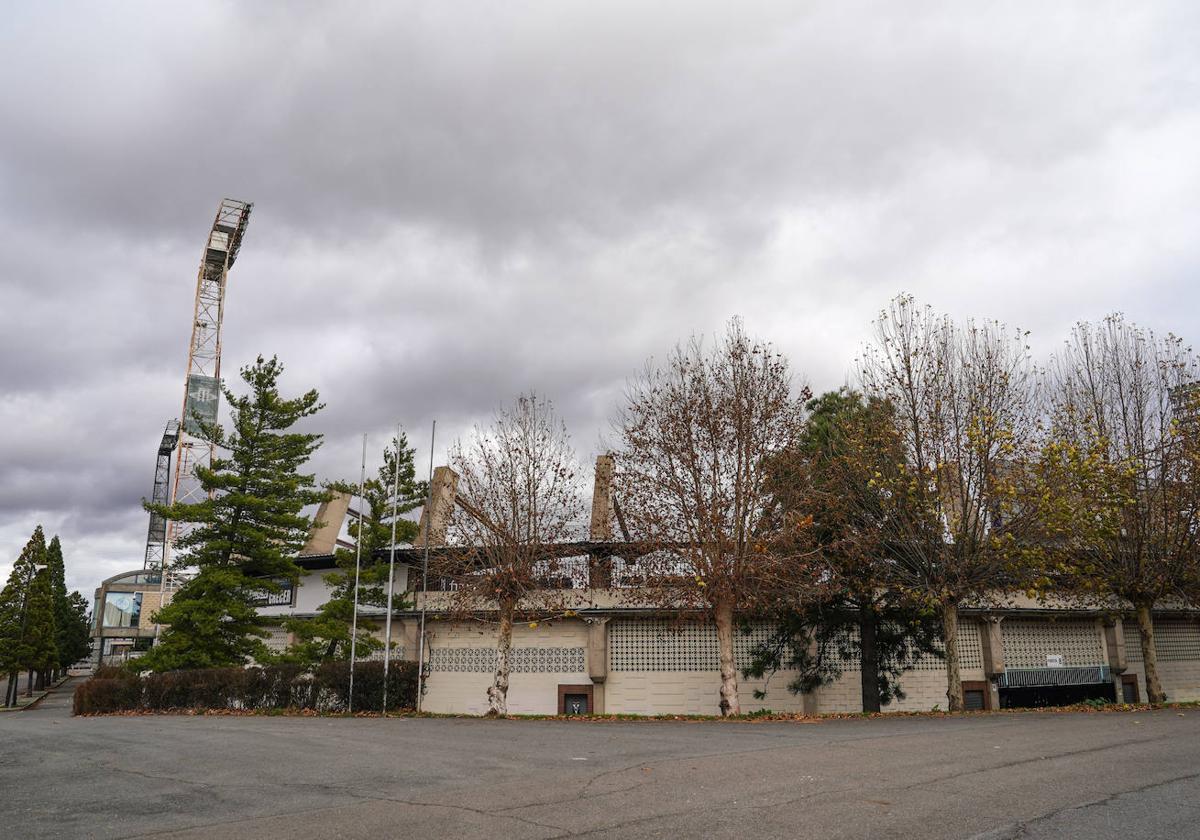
(1123, 463)
(696, 436)
(952, 515)
(519, 491)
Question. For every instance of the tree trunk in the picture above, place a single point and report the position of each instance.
(29, 684)
(41, 681)
(1154, 691)
(498, 692)
(954, 698)
(869, 676)
(10, 689)
(729, 681)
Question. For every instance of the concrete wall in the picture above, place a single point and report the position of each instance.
(462, 660)
(470, 645)
(1177, 644)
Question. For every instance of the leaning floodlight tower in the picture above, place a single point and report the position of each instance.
(156, 537)
(202, 386)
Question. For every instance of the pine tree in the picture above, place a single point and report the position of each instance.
(62, 604)
(76, 643)
(825, 511)
(327, 635)
(19, 647)
(244, 536)
(41, 630)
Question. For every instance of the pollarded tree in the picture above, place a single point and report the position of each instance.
(247, 533)
(327, 635)
(697, 435)
(953, 515)
(519, 491)
(1124, 464)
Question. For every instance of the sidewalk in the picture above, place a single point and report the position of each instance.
(63, 692)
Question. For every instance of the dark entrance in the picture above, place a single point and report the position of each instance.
(1036, 696)
(575, 700)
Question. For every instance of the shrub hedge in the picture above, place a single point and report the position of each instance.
(327, 689)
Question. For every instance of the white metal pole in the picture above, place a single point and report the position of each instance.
(425, 572)
(362, 480)
(387, 633)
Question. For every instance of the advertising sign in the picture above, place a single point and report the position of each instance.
(203, 395)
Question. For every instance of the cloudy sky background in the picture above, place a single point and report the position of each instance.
(456, 202)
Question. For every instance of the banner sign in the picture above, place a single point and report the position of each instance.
(203, 395)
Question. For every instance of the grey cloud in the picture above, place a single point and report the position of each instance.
(459, 202)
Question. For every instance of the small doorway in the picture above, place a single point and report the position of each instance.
(575, 699)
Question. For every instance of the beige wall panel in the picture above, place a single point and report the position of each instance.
(690, 693)
(529, 692)
(151, 602)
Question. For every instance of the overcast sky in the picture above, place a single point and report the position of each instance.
(456, 202)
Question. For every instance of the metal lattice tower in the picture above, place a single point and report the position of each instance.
(156, 538)
(202, 387)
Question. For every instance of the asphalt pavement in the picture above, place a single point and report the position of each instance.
(1109, 775)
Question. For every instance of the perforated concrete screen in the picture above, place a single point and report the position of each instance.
(1175, 641)
(557, 660)
(970, 651)
(668, 646)
(277, 641)
(1133, 643)
(1027, 642)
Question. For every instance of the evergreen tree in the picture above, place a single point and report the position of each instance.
(41, 627)
(245, 536)
(76, 643)
(26, 614)
(822, 494)
(327, 635)
(62, 604)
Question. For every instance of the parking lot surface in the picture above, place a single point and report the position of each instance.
(1127, 775)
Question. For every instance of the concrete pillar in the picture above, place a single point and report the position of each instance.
(1114, 646)
(597, 660)
(991, 635)
(404, 633)
(322, 538)
(440, 509)
(601, 530)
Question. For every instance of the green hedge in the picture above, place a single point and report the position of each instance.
(248, 689)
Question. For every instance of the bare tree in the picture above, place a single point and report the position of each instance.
(1124, 459)
(963, 402)
(696, 435)
(518, 492)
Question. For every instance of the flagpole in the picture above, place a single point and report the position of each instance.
(387, 633)
(362, 480)
(425, 571)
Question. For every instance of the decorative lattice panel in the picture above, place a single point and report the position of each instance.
(970, 651)
(970, 646)
(1027, 642)
(276, 640)
(1133, 643)
(377, 655)
(1175, 641)
(670, 646)
(557, 660)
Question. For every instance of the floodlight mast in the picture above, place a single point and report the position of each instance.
(156, 536)
(202, 385)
